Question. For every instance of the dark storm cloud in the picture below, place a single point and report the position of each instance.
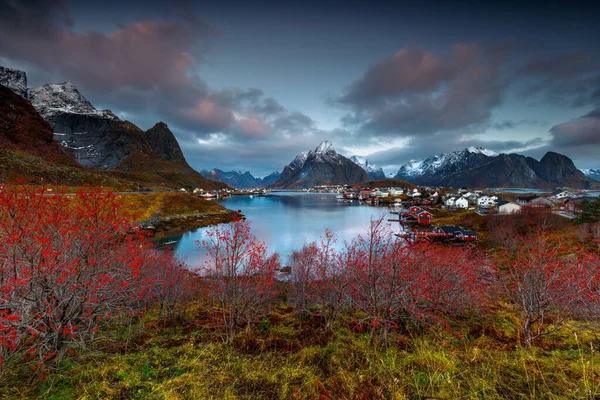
(567, 79)
(510, 125)
(580, 131)
(142, 68)
(415, 92)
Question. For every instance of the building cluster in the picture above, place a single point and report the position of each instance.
(417, 227)
(563, 201)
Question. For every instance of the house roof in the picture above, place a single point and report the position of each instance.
(449, 229)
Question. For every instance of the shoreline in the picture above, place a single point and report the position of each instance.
(174, 225)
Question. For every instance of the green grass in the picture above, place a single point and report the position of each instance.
(289, 358)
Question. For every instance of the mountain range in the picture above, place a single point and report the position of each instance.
(53, 132)
(240, 180)
(95, 139)
(478, 167)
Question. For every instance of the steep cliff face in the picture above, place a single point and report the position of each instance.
(95, 138)
(321, 166)
(164, 144)
(61, 125)
(478, 167)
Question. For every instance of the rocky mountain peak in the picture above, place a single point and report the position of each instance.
(15, 80)
(482, 150)
(56, 98)
(325, 147)
(164, 144)
(321, 166)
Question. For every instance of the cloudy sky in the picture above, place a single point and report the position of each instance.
(248, 85)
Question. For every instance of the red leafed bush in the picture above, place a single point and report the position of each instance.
(395, 285)
(548, 281)
(239, 276)
(68, 263)
(319, 280)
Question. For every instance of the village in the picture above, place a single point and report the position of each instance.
(416, 207)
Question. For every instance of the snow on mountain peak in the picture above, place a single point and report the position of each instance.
(481, 150)
(325, 147)
(56, 98)
(299, 160)
(374, 171)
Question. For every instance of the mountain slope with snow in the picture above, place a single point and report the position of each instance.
(479, 168)
(321, 166)
(592, 173)
(375, 172)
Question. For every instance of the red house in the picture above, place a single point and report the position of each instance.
(424, 217)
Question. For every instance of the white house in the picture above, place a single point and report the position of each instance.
(486, 201)
(508, 207)
(564, 194)
(396, 191)
(450, 202)
(461, 203)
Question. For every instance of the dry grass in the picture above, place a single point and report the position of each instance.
(291, 358)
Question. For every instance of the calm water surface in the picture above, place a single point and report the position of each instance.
(285, 221)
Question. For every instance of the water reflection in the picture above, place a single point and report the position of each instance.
(285, 221)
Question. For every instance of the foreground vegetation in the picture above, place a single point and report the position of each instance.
(288, 357)
(90, 310)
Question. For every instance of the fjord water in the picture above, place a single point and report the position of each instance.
(287, 220)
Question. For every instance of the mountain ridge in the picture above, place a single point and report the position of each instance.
(479, 167)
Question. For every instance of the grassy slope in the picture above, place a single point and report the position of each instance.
(290, 358)
(158, 205)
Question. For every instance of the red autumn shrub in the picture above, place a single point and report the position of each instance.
(238, 276)
(67, 263)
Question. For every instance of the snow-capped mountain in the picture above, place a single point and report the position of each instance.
(478, 167)
(592, 173)
(444, 164)
(239, 179)
(375, 172)
(56, 98)
(323, 165)
(15, 80)
(92, 138)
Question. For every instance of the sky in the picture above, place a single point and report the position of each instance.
(248, 85)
